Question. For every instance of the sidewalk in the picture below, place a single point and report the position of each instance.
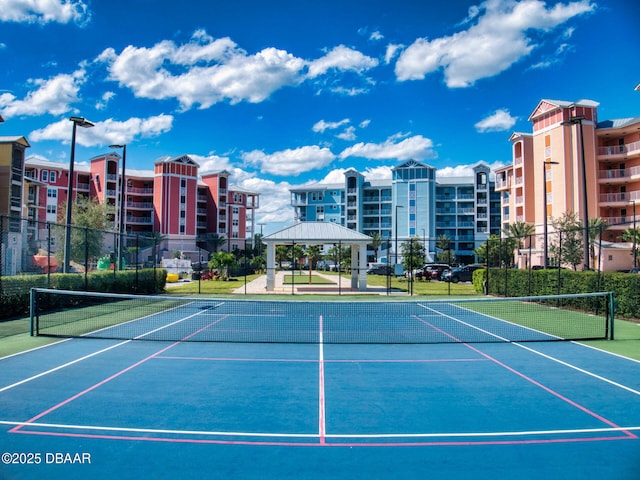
(259, 285)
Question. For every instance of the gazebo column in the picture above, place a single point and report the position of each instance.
(354, 266)
(271, 267)
(362, 271)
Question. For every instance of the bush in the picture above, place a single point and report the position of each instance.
(523, 283)
(15, 290)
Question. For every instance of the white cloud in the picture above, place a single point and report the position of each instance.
(205, 71)
(498, 121)
(375, 36)
(290, 162)
(44, 11)
(416, 147)
(54, 96)
(211, 163)
(348, 134)
(342, 59)
(391, 52)
(321, 125)
(465, 170)
(104, 100)
(364, 123)
(106, 132)
(498, 39)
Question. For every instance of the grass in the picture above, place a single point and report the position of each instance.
(209, 287)
(304, 280)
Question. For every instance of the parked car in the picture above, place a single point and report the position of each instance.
(429, 271)
(461, 274)
(381, 270)
(435, 270)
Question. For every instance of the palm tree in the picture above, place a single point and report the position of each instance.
(597, 226)
(376, 241)
(519, 231)
(632, 235)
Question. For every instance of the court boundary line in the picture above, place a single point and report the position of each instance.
(526, 377)
(111, 377)
(271, 439)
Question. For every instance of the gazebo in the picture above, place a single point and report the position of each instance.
(320, 233)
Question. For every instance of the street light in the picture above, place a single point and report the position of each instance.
(396, 246)
(84, 123)
(635, 234)
(1, 119)
(545, 259)
(585, 213)
(123, 189)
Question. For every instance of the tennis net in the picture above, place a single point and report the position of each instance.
(83, 314)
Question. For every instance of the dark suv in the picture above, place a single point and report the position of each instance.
(461, 274)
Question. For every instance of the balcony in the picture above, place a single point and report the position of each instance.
(623, 198)
(614, 151)
(618, 175)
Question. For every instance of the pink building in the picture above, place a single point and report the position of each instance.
(173, 200)
(549, 163)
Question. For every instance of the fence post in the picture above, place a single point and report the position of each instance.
(86, 258)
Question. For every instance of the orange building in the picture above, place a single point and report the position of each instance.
(546, 178)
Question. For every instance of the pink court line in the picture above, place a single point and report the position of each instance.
(532, 381)
(295, 360)
(321, 397)
(108, 379)
(324, 443)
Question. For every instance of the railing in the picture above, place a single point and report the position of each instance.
(613, 150)
(619, 173)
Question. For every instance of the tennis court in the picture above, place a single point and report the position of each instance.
(242, 389)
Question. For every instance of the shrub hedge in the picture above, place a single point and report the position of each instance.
(522, 283)
(15, 290)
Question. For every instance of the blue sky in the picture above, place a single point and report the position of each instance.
(286, 92)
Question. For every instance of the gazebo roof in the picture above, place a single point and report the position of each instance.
(317, 232)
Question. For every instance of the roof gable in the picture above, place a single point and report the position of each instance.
(317, 232)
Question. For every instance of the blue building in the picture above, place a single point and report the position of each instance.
(414, 203)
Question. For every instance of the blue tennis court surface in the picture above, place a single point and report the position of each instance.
(106, 408)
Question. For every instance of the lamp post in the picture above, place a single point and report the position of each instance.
(123, 189)
(396, 245)
(635, 234)
(1, 119)
(577, 120)
(545, 240)
(84, 123)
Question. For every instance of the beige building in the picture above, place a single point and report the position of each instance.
(546, 178)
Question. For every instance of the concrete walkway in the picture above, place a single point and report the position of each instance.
(259, 285)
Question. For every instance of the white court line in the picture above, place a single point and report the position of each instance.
(60, 367)
(515, 433)
(549, 357)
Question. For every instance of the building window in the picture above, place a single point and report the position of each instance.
(52, 209)
(182, 229)
(45, 175)
(52, 193)
(52, 176)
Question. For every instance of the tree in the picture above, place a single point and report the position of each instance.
(222, 261)
(597, 227)
(341, 256)
(497, 251)
(313, 255)
(567, 245)
(632, 235)
(519, 231)
(446, 253)
(88, 231)
(412, 252)
(376, 241)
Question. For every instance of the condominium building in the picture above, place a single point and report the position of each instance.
(414, 203)
(186, 208)
(572, 162)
